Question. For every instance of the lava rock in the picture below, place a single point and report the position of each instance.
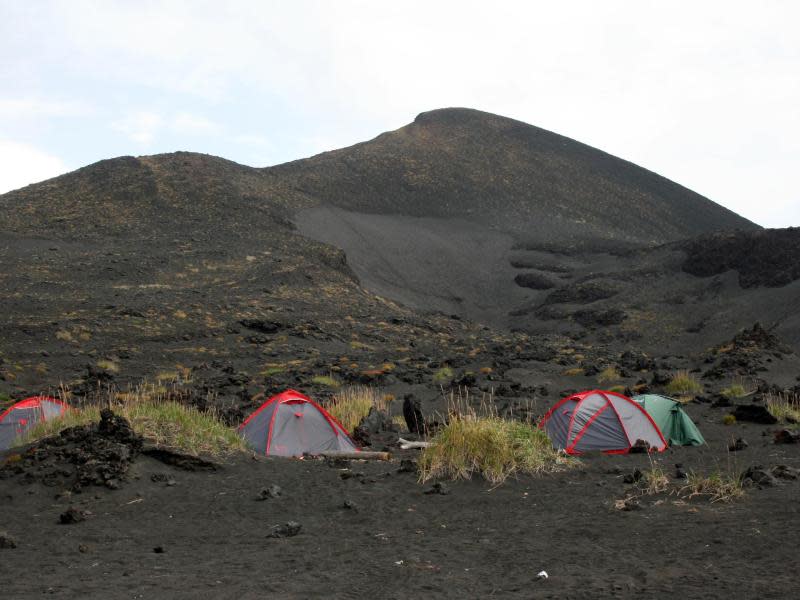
(633, 477)
(273, 491)
(412, 412)
(374, 423)
(260, 325)
(785, 472)
(758, 476)
(7, 541)
(438, 488)
(737, 444)
(785, 436)
(534, 281)
(407, 465)
(289, 529)
(72, 515)
(754, 413)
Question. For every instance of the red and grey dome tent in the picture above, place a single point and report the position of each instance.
(21, 417)
(599, 421)
(291, 424)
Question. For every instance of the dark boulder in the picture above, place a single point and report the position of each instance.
(412, 412)
(754, 413)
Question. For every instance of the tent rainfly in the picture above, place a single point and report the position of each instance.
(21, 417)
(291, 424)
(677, 427)
(600, 421)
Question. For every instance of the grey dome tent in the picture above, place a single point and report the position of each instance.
(677, 427)
(291, 424)
(600, 421)
(23, 416)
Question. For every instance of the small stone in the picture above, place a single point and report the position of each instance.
(7, 541)
(159, 550)
(289, 529)
(785, 472)
(632, 477)
(72, 515)
(83, 548)
(273, 491)
(438, 488)
(407, 465)
(738, 444)
(350, 505)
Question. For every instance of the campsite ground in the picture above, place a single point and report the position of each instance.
(399, 542)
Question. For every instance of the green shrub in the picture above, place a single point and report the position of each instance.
(443, 376)
(729, 419)
(491, 446)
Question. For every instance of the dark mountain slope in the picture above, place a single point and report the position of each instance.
(153, 263)
(160, 195)
(516, 177)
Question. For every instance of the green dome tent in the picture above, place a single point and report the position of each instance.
(671, 419)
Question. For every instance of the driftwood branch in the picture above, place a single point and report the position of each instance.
(406, 444)
(363, 455)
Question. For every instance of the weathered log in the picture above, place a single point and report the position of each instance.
(363, 455)
(406, 444)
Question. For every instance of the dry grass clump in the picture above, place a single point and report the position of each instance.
(784, 407)
(326, 380)
(609, 374)
(739, 388)
(717, 487)
(351, 404)
(683, 385)
(654, 481)
(573, 372)
(489, 445)
(158, 417)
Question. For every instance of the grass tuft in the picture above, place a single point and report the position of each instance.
(717, 487)
(784, 407)
(351, 404)
(494, 447)
(443, 375)
(326, 380)
(158, 417)
(683, 385)
(609, 374)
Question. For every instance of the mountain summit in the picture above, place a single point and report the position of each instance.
(465, 163)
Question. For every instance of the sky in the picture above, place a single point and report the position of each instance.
(704, 93)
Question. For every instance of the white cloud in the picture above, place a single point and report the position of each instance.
(695, 91)
(140, 127)
(32, 107)
(194, 124)
(23, 164)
